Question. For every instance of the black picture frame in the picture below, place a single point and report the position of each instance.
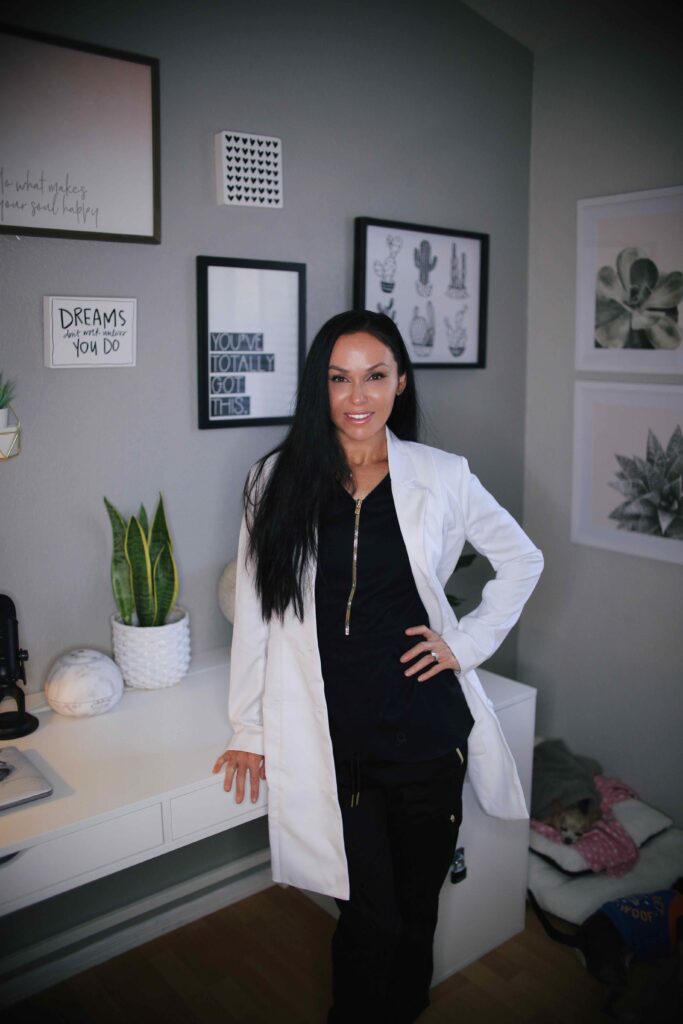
(263, 304)
(72, 188)
(420, 302)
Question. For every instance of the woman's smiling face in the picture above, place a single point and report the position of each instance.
(363, 381)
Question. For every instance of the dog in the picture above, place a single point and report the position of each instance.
(607, 949)
(573, 821)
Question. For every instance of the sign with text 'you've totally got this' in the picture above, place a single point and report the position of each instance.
(89, 332)
(251, 340)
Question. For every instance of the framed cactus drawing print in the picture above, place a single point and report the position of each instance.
(432, 282)
(628, 468)
(629, 282)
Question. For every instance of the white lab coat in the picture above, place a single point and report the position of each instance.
(276, 702)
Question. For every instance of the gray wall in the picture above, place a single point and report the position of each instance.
(604, 643)
(383, 112)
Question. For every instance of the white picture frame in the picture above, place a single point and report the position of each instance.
(629, 272)
(618, 431)
(89, 333)
(248, 170)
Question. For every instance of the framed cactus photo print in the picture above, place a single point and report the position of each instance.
(628, 468)
(432, 282)
(629, 282)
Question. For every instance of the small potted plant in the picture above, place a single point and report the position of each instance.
(7, 390)
(150, 633)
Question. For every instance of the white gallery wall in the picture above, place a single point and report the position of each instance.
(382, 112)
(605, 645)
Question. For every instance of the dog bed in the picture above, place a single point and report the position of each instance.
(574, 897)
(640, 821)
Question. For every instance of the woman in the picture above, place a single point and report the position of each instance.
(351, 680)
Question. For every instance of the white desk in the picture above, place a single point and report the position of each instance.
(131, 784)
(136, 782)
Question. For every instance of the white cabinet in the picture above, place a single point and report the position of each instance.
(487, 907)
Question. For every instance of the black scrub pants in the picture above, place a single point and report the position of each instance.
(399, 841)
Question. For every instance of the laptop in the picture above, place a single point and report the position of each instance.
(20, 780)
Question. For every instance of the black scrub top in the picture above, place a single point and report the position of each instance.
(375, 711)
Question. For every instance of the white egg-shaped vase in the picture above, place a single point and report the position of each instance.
(82, 683)
(152, 657)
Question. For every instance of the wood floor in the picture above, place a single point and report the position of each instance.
(265, 960)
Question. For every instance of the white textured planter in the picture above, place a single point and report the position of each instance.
(151, 657)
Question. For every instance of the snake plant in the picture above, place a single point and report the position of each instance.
(144, 576)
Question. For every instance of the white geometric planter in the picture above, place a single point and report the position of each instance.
(10, 433)
(151, 657)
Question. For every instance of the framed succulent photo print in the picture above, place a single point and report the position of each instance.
(627, 490)
(629, 282)
(251, 317)
(432, 282)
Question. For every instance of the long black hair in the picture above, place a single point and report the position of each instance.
(283, 505)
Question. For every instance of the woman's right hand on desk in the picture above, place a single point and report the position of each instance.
(240, 762)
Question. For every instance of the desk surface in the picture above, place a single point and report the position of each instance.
(152, 743)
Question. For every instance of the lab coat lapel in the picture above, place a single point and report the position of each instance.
(410, 500)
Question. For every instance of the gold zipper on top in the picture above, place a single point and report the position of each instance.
(354, 568)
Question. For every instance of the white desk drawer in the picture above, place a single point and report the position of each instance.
(50, 864)
(211, 806)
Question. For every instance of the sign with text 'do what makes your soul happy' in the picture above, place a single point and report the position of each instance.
(89, 332)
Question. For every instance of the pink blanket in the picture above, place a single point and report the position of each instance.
(607, 846)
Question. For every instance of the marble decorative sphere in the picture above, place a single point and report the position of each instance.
(226, 590)
(83, 683)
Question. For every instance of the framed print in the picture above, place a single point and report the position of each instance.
(251, 340)
(79, 140)
(629, 282)
(628, 469)
(87, 333)
(432, 282)
(248, 170)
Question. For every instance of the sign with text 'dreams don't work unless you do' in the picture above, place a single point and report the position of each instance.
(89, 332)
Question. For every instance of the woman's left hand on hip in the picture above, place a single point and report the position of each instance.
(436, 654)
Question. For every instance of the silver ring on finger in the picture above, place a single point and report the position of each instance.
(435, 656)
